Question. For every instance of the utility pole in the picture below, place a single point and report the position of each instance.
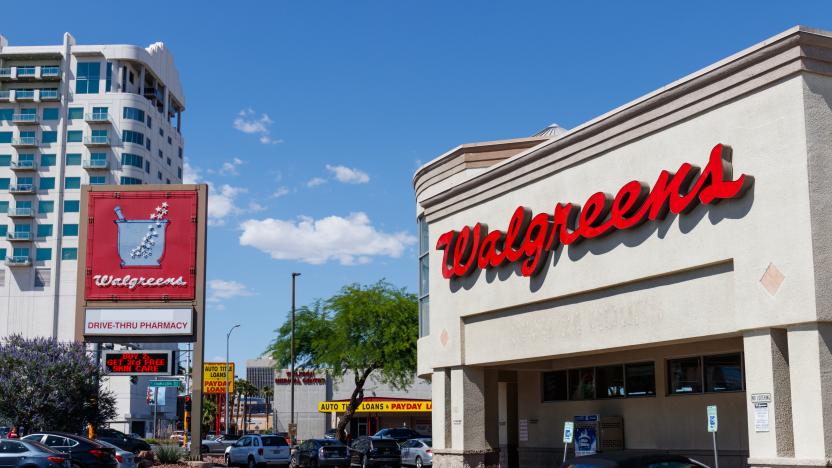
(227, 338)
(292, 426)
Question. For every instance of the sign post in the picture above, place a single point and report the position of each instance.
(713, 424)
(568, 436)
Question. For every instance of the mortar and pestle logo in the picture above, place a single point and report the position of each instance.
(141, 243)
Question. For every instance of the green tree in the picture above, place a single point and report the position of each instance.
(268, 394)
(47, 384)
(209, 414)
(362, 330)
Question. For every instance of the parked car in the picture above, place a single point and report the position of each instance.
(399, 434)
(218, 444)
(122, 440)
(417, 452)
(253, 450)
(83, 452)
(374, 451)
(624, 459)
(321, 452)
(330, 433)
(125, 459)
(179, 436)
(4, 432)
(30, 454)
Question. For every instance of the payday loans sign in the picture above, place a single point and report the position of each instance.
(396, 406)
(214, 378)
(529, 238)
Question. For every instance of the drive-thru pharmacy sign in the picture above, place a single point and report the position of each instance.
(528, 239)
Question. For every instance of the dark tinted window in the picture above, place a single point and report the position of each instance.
(723, 373)
(384, 443)
(582, 384)
(684, 375)
(554, 386)
(428, 442)
(274, 441)
(8, 446)
(400, 433)
(56, 441)
(641, 379)
(610, 381)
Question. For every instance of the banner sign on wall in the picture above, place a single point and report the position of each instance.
(397, 406)
(138, 322)
(141, 245)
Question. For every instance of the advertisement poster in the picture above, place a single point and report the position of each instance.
(586, 435)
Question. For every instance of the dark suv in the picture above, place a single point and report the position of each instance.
(83, 452)
(399, 434)
(374, 451)
(122, 440)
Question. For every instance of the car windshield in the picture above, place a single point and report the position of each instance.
(274, 441)
(385, 443)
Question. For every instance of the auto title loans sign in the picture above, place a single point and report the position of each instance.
(214, 378)
(400, 406)
(141, 245)
(529, 239)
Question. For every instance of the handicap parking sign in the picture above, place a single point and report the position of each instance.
(713, 422)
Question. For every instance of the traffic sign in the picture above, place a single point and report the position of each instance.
(713, 422)
(163, 383)
(568, 432)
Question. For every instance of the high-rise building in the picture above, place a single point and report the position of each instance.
(260, 372)
(72, 115)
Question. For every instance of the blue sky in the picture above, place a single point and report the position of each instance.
(309, 118)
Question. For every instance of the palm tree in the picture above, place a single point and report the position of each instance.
(268, 393)
(209, 414)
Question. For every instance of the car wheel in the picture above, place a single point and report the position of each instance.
(419, 462)
(251, 463)
(227, 460)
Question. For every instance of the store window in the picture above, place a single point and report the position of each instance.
(555, 386)
(610, 381)
(640, 379)
(723, 373)
(582, 384)
(685, 375)
(615, 381)
(424, 275)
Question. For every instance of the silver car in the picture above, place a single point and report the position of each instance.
(417, 452)
(19, 453)
(125, 459)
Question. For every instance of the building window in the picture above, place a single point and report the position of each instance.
(87, 76)
(582, 384)
(723, 373)
(46, 183)
(684, 375)
(149, 122)
(70, 230)
(133, 114)
(43, 254)
(130, 181)
(74, 136)
(170, 142)
(169, 162)
(159, 175)
(50, 113)
(73, 159)
(72, 183)
(72, 206)
(161, 155)
(108, 84)
(43, 276)
(46, 206)
(44, 230)
(5, 160)
(75, 113)
(180, 152)
(48, 160)
(610, 381)
(555, 386)
(4, 183)
(4, 230)
(49, 136)
(640, 379)
(5, 137)
(161, 132)
(424, 275)
(69, 253)
(129, 136)
(6, 115)
(179, 172)
(129, 159)
(4, 207)
(147, 144)
(147, 167)
(98, 180)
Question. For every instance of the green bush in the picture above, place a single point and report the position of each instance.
(153, 441)
(169, 454)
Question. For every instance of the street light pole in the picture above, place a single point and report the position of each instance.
(227, 339)
(292, 385)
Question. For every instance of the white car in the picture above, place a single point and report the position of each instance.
(258, 450)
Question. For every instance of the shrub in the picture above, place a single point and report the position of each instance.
(168, 454)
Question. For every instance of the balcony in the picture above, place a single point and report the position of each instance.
(25, 118)
(50, 72)
(5, 95)
(19, 236)
(27, 212)
(25, 72)
(24, 94)
(24, 165)
(154, 93)
(97, 117)
(49, 95)
(25, 142)
(5, 73)
(96, 164)
(18, 261)
(97, 140)
(22, 189)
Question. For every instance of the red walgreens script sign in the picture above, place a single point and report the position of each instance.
(529, 240)
(141, 246)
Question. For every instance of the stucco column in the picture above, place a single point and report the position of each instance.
(440, 416)
(810, 362)
(767, 373)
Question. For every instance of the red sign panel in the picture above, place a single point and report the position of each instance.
(528, 239)
(141, 246)
(138, 362)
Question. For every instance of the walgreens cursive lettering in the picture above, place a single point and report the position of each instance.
(529, 239)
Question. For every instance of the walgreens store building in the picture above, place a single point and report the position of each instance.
(672, 254)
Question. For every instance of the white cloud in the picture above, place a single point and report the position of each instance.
(254, 207)
(230, 167)
(191, 174)
(247, 121)
(347, 175)
(222, 202)
(281, 191)
(351, 240)
(220, 290)
(315, 181)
